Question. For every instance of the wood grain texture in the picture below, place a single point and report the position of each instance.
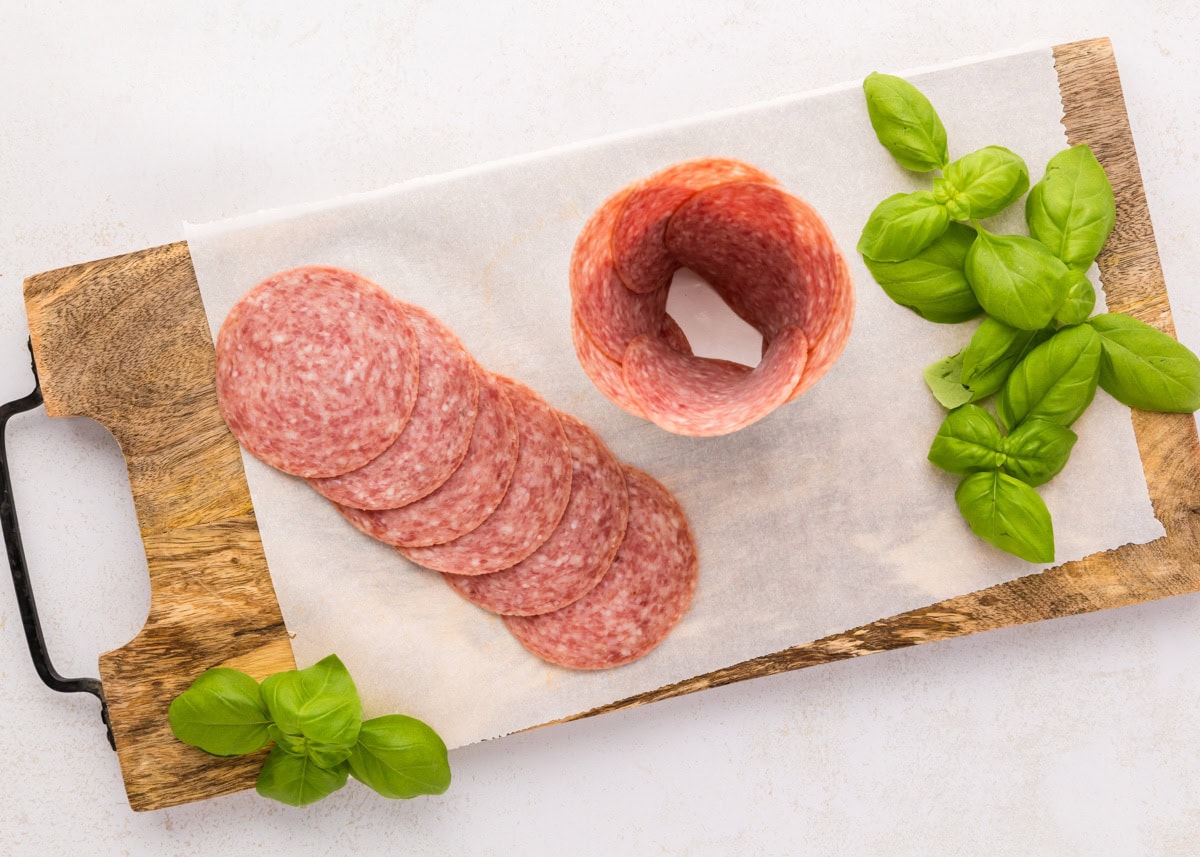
(125, 342)
(1093, 113)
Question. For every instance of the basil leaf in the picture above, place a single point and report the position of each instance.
(319, 703)
(1072, 210)
(400, 757)
(1009, 514)
(1016, 279)
(982, 183)
(902, 226)
(298, 780)
(221, 713)
(1081, 300)
(1055, 382)
(905, 122)
(1037, 451)
(932, 283)
(994, 349)
(968, 440)
(944, 380)
(325, 755)
(1144, 368)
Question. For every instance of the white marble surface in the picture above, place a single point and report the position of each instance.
(119, 120)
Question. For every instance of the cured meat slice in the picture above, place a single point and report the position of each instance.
(581, 548)
(317, 371)
(436, 437)
(639, 251)
(646, 591)
(701, 397)
(605, 372)
(536, 499)
(469, 496)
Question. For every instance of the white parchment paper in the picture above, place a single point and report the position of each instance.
(822, 517)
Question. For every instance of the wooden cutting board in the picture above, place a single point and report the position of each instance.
(125, 342)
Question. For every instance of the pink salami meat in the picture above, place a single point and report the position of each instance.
(536, 499)
(317, 371)
(434, 441)
(469, 496)
(605, 372)
(699, 396)
(639, 250)
(581, 548)
(646, 591)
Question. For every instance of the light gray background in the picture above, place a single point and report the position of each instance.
(117, 121)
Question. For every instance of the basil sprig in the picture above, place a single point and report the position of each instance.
(314, 716)
(1036, 348)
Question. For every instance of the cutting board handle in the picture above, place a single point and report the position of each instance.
(20, 569)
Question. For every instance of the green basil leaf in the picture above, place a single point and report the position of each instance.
(902, 226)
(400, 757)
(319, 703)
(1072, 210)
(1016, 279)
(982, 183)
(905, 122)
(298, 780)
(1081, 300)
(1037, 451)
(1055, 382)
(944, 380)
(994, 349)
(932, 283)
(968, 440)
(325, 755)
(221, 713)
(1007, 513)
(1144, 368)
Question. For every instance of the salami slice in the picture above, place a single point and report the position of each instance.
(639, 250)
(702, 397)
(435, 439)
(646, 591)
(536, 499)
(317, 371)
(581, 548)
(469, 496)
(605, 372)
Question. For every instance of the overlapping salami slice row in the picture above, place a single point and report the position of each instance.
(537, 496)
(581, 548)
(437, 435)
(639, 600)
(469, 496)
(317, 371)
(767, 254)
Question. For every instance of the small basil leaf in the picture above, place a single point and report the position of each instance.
(944, 379)
(1016, 279)
(1037, 451)
(1144, 368)
(1081, 300)
(968, 440)
(325, 755)
(946, 194)
(932, 283)
(1072, 210)
(319, 703)
(400, 757)
(985, 182)
(1055, 382)
(994, 349)
(905, 122)
(1009, 514)
(221, 713)
(902, 226)
(298, 780)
